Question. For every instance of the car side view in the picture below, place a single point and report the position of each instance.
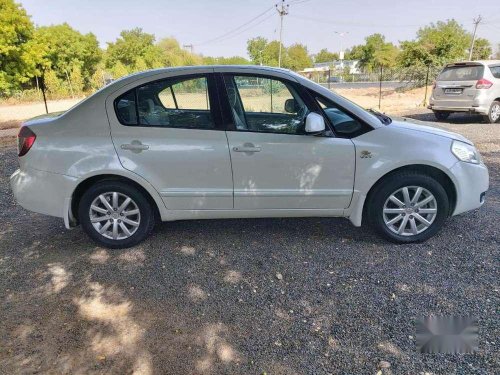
(239, 142)
(472, 86)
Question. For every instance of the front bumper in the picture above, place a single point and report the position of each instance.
(43, 192)
(472, 182)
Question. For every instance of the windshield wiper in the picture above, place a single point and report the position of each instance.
(384, 119)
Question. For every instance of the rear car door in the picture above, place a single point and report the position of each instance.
(276, 165)
(169, 132)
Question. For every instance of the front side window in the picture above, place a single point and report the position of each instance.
(265, 105)
(173, 102)
(343, 123)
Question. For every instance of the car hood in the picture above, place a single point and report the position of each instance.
(404, 124)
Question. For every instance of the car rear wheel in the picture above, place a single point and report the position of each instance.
(493, 115)
(115, 214)
(441, 115)
(408, 207)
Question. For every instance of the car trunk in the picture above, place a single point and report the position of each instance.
(456, 85)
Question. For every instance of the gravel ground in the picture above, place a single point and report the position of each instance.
(274, 296)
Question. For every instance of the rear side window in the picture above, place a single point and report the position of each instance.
(495, 70)
(462, 73)
(125, 108)
(172, 103)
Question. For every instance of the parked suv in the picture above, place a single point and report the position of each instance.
(468, 87)
(239, 142)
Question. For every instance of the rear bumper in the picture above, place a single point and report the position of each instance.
(472, 182)
(471, 109)
(43, 192)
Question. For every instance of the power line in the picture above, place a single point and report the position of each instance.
(227, 34)
(353, 24)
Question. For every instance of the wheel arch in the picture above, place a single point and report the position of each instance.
(86, 183)
(436, 173)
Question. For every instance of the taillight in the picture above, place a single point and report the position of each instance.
(25, 140)
(483, 84)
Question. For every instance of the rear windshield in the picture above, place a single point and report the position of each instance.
(462, 73)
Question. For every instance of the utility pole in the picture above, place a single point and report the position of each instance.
(282, 11)
(342, 34)
(476, 21)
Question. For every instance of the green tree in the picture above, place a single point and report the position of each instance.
(119, 70)
(255, 49)
(377, 52)
(482, 49)
(17, 59)
(234, 60)
(297, 57)
(497, 56)
(354, 53)
(445, 41)
(135, 50)
(65, 49)
(325, 56)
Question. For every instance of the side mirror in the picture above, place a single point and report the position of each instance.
(290, 106)
(315, 123)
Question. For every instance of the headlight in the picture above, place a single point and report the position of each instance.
(465, 152)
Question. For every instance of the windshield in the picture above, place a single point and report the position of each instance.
(462, 73)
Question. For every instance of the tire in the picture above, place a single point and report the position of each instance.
(493, 115)
(380, 207)
(441, 115)
(138, 217)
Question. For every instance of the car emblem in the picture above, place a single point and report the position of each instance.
(365, 154)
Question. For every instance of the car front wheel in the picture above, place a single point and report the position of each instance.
(408, 207)
(115, 214)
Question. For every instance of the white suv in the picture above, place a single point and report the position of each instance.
(239, 142)
(468, 87)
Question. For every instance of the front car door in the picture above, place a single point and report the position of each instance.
(169, 132)
(275, 164)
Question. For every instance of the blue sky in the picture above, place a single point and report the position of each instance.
(312, 22)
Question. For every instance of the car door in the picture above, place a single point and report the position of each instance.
(169, 132)
(275, 164)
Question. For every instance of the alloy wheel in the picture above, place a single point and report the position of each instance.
(495, 112)
(115, 215)
(410, 210)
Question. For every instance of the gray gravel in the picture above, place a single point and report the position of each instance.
(275, 296)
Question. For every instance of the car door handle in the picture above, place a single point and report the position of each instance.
(246, 148)
(134, 146)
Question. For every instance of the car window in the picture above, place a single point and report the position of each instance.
(342, 122)
(461, 73)
(495, 70)
(170, 103)
(265, 105)
(125, 109)
(189, 94)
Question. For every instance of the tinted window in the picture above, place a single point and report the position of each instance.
(125, 109)
(175, 103)
(495, 70)
(265, 105)
(462, 73)
(343, 123)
